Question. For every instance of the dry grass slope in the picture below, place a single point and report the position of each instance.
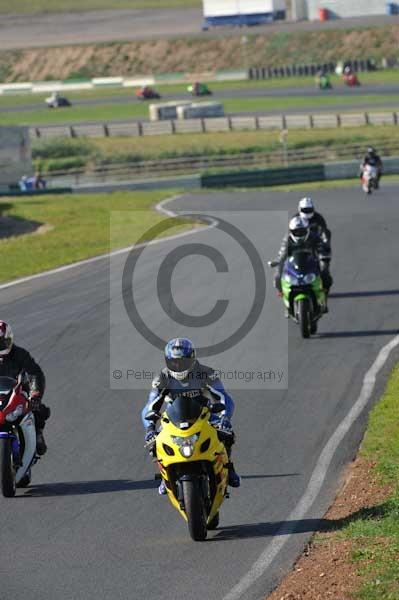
(196, 54)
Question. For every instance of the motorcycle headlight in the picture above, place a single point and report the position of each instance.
(13, 416)
(310, 278)
(186, 444)
(291, 279)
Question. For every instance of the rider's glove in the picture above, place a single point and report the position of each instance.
(35, 400)
(150, 434)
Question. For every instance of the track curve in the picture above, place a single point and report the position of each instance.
(92, 525)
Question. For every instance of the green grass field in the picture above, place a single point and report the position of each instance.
(59, 154)
(375, 531)
(35, 6)
(70, 235)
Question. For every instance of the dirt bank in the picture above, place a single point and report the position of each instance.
(196, 54)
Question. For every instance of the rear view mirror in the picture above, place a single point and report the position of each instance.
(152, 416)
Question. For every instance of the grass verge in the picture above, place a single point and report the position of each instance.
(59, 154)
(70, 235)
(376, 534)
(355, 554)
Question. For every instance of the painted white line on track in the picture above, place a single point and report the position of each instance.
(282, 536)
(160, 207)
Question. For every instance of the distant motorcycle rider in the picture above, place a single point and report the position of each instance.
(302, 238)
(317, 222)
(374, 160)
(15, 360)
(185, 376)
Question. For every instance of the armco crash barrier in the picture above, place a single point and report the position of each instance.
(200, 110)
(264, 177)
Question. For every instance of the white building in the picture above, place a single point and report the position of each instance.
(337, 9)
(241, 12)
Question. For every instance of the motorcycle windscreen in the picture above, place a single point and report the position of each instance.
(303, 262)
(7, 384)
(184, 410)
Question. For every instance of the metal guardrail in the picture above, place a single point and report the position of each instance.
(237, 123)
(280, 157)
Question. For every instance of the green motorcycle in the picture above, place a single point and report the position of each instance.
(302, 291)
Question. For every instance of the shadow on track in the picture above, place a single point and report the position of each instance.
(366, 333)
(364, 294)
(81, 488)
(278, 528)
(270, 476)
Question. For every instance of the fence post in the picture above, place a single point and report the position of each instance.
(366, 119)
(311, 122)
(339, 123)
(72, 132)
(140, 128)
(173, 126)
(203, 125)
(106, 130)
(230, 123)
(256, 122)
(395, 118)
(38, 134)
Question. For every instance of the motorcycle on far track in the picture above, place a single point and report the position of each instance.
(193, 462)
(199, 89)
(17, 436)
(302, 291)
(147, 93)
(57, 101)
(369, 179)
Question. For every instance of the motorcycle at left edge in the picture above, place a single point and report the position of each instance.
(17, 436)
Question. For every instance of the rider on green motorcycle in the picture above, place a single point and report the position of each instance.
(302, 237)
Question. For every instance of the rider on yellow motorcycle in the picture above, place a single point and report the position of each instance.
(183, 377)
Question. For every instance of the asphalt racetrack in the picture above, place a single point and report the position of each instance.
(267, 92)
(55, 29)
(92, 524)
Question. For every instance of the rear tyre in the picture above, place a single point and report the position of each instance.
(7, 469)
(304, 317)
(195, 510)
(214, 524)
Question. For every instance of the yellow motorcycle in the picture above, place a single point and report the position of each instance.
(193, 462)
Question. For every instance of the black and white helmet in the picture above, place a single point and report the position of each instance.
(306, 208)
(299, 229)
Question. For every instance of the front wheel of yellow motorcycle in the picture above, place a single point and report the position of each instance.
(195, 509)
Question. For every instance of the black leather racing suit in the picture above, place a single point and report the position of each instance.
(19, 360)
(318, 225)
(313, 244)
(202, 383)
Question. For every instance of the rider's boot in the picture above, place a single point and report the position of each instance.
(234, 478)
(41, 446)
